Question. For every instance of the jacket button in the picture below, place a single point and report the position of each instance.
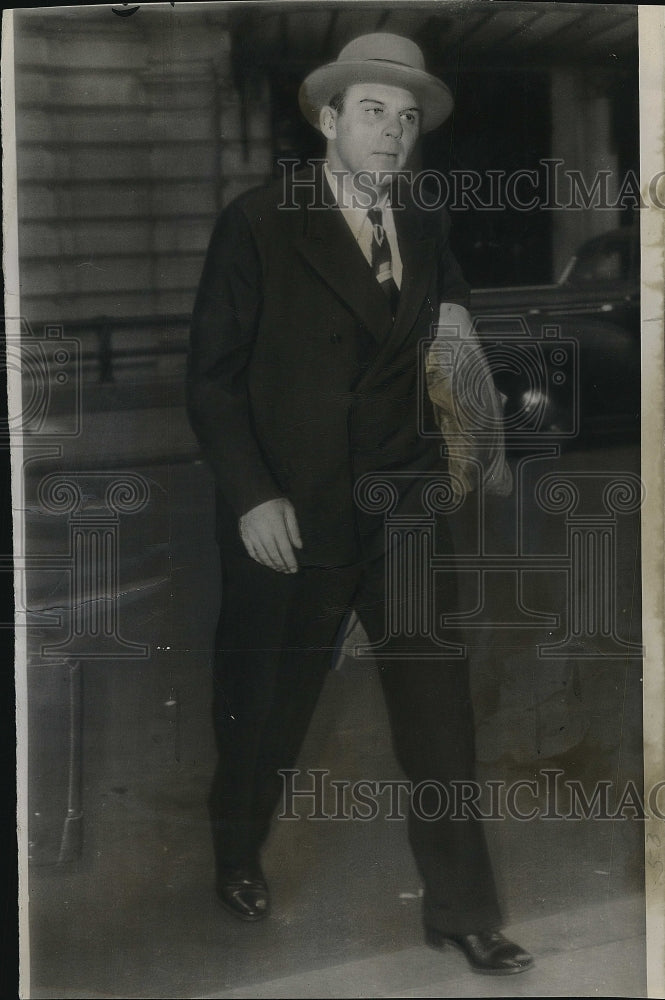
(335, 338)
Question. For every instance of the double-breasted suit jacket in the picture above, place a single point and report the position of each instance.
(299, 381)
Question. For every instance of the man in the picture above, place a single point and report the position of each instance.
(303, 378)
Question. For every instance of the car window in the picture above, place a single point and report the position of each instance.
(605, 266)
(607, 261)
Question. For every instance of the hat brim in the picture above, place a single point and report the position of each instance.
(433, 96)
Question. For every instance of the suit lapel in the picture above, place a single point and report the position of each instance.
(418, 258)
(328, 245)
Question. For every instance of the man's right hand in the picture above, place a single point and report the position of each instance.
(269, 532)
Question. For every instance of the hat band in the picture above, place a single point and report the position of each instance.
(393, 62)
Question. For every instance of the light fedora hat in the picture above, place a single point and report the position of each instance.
(378, 58)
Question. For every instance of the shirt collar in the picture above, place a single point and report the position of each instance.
(347, 203)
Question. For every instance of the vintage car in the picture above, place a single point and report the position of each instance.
(567, 356)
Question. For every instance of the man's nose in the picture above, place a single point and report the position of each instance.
(394, 127)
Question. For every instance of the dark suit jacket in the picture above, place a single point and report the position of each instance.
(298, 381)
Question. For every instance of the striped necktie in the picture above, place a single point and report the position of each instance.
(382, 262)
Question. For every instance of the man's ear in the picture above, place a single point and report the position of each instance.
(328, 122)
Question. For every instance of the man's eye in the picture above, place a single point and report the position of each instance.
(409, 116)
(375, 112)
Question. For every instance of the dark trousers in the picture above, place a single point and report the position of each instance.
(274, 647)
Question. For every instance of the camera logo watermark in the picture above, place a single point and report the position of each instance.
(49, 367)
(458, 366)
(458, 369)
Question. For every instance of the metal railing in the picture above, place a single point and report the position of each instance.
(105, 347)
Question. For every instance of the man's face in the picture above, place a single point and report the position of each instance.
(375, 131)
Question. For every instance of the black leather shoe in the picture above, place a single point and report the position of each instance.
(489, 952)
(243, 892)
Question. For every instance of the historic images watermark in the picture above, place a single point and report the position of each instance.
(315, 795)
(549, 188)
